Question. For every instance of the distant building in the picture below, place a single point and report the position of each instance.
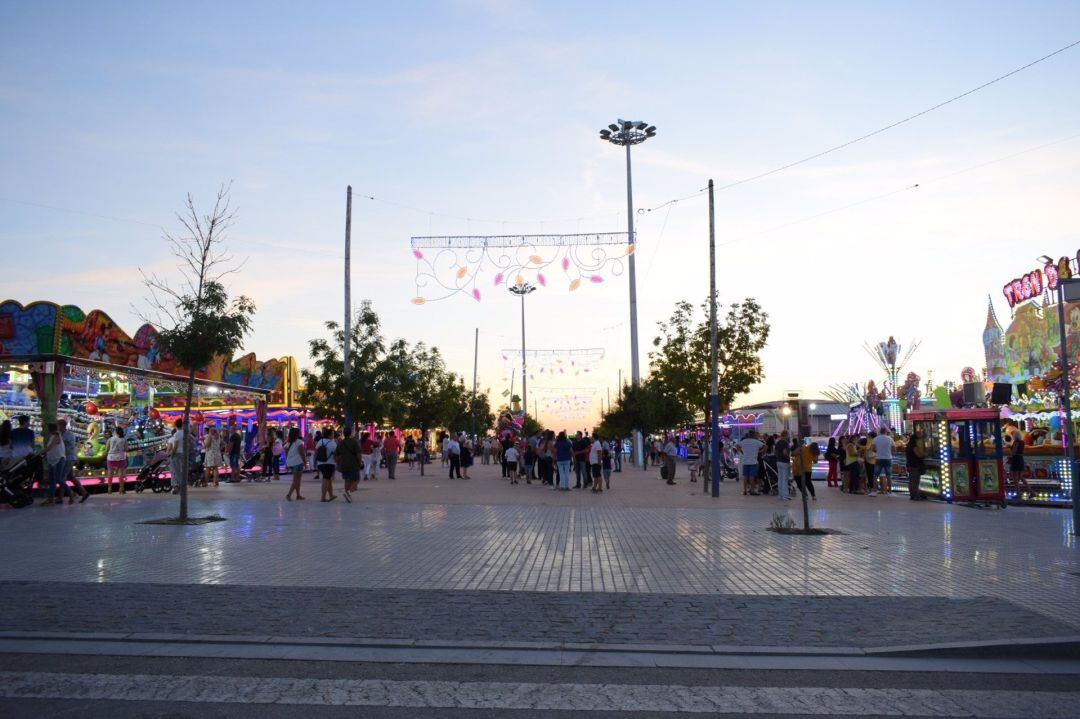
(994, 346)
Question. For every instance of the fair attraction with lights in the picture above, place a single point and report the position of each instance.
(59, 362)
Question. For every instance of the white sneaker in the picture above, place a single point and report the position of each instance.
(872, 494)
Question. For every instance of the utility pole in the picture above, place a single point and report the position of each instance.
(714, 391)
(347, 368)
(635, 372)
(1068, 289)
(476, 354)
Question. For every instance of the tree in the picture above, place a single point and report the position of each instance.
(648, 406)
(430, 395)
(681, 360)
(196, 320)
(473, 413)
(376, 377)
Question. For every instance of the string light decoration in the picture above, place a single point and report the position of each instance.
(468, 265)
(543, 363)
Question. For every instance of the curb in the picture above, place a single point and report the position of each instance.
(1063, 647)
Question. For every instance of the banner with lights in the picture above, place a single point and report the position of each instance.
(1031, 284)
(543, 363)
(471, 265)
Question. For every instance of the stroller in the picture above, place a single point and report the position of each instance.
(248, 469)
(729, 468)
(17, 479)
(154, 475)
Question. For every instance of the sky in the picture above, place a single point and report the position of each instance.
(480, 118)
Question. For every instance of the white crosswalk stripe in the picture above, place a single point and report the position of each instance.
(539, 696)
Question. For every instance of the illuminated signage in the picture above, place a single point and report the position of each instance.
(1030, 285)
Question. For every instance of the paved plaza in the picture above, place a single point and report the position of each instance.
(419, 556)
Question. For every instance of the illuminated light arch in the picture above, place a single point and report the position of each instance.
(447, 266)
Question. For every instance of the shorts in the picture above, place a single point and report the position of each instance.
(750, 471)
(1016, 464)
(295, 468)
(327, 471)
(883, 466)
(116, 463)
(350, 475)
(234, 460)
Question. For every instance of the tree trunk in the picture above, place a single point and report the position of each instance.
(423, 449)
(184, 445)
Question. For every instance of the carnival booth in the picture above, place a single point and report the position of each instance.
(58, 362)
(965, 455)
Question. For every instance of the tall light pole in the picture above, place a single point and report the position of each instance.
(346, 366)
(522, 289)
(714, 385)
(628, 133)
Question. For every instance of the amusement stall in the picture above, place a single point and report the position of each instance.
(1024, 368)
(59, 362)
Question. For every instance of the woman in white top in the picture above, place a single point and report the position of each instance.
(56, 458)
(295, 461)
(325, 446)
(116, 461)
(213, 455)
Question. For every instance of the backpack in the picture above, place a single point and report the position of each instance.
(320, 452)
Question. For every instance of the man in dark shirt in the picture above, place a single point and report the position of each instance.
(581, 461)
(236, 448)
(22, 439)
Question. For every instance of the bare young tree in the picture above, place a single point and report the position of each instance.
(192, 312)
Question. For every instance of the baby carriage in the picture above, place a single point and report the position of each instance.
(729, 467)
(16, 480)
(154, 475)
(770, 477)
(251, 469)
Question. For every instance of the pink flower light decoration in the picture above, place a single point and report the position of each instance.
(596, 279)
(541, 279)
(418, 254)
(476, 294)
(498, 278)
(566, 263)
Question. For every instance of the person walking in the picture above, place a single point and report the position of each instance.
(810, 452)
(564, 455)
(832, 456)
(884, 446)
(213, 455)
(783, 465)
(510, 458)
(116, 461)
(669, 455)
(869, 463)
(367, 457)
(56, 460)
(852, 465)
(581, 461)
(915, 457)
(452, 448)
(174, 448)
(391, 448)
(596, 451)
(347, 458)
(71, 456)
(309, 447)
(325, 446)
(410, 451)
(235, 444)
(295, 461)
(749, 449)
(605, 464)
(466, 455)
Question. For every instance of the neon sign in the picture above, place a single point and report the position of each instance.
(1030, 285)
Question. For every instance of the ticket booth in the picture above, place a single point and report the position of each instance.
(965, 455)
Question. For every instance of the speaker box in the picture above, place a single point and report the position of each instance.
(1021, 389)
(974, 393)
(1001, 394)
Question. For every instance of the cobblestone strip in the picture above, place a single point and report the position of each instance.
(469, 616)
(788, 701)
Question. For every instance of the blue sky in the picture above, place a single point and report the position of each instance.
(490, 110)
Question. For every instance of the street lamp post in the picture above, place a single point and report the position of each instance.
(521, 289)
(627, 133)
(1068, 290)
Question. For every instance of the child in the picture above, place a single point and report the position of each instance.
(530, 461)
(510, 460)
